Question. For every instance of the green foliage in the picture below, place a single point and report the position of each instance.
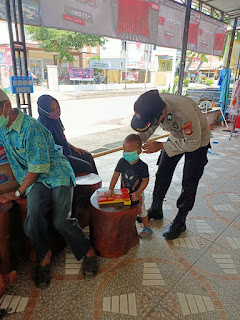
(61, 41)
(200, 56)
(96, 70)
(209, 82)
(176, 79)
(186, 81)
(173, 91)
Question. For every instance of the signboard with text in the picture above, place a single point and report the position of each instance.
(131, 76)
(81, 74)
(99, 64)
(21, 84)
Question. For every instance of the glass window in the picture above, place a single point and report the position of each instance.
(163, 66)
(169, 66)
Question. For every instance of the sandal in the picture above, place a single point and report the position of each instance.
(147, 230)
(42, 276)
(90, 266)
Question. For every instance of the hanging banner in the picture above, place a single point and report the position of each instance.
(81, 74)
(170, 24)
(205, 35)
(129, 20)
(31, 13)
(158, 22)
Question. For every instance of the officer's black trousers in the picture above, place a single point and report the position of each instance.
(192, 172)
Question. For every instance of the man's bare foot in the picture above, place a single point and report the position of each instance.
(46, 259)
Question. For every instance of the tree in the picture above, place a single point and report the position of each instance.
(61, 41)
(199, 56)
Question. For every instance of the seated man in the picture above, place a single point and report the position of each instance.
(47, 179)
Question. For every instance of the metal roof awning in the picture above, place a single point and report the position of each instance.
(231, 8)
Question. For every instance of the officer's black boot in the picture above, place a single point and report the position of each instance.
(155, 211)
(174, 230)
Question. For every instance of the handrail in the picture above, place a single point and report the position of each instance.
(103, 153)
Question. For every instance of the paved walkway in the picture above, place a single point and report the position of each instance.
(195, 277)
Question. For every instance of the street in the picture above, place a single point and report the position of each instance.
(92, 123)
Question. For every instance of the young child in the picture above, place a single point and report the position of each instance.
(134, 176)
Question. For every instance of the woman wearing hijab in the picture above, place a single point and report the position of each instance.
(49, 115)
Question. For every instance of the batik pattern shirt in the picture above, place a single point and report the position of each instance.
(29, 147)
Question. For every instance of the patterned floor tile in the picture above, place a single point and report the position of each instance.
(196, 298)
(221, 266)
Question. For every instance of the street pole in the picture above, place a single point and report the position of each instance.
(126, 67)
(184, 46)
(146, 74)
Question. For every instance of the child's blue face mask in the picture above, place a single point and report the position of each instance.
(131, 156)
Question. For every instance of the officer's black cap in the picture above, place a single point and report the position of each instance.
(148, 107)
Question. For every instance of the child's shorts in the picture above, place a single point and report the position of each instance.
(143, 212)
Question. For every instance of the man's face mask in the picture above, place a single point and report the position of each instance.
(3, 121)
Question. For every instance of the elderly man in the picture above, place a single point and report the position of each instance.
(47, 179)
(189, 136)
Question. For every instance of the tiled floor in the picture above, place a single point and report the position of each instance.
(193, 277)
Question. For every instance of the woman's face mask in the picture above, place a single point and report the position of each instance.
(55, 110)
(55, 114)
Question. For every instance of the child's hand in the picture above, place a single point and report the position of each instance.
(109, 193)
(135, 196)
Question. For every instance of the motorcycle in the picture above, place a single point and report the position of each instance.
(37, 81)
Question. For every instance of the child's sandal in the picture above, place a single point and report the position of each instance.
(147, 230)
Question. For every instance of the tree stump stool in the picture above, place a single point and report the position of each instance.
(5, 238)
(85, 187)
(7, 276)
(113, 228)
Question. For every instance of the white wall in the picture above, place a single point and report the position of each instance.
(4, 38)
(113, 49)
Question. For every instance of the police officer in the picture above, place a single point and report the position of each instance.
(189, 136)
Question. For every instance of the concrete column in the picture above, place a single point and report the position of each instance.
(52, 76)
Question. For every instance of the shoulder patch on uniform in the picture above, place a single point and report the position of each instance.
(169, 117)
(187, 128)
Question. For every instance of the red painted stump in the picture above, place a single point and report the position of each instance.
(113, 228)
(5, 238)
(6, 277)
(85, 187)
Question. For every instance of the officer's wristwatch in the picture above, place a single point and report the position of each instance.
(18, 194)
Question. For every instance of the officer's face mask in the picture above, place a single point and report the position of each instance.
(131, 156)
(3, 121)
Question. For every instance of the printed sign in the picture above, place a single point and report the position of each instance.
(21, 84)
(131, 76)
(81, 74)
(99, 64)
(5, 56)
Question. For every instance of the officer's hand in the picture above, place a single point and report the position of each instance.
(151, 147)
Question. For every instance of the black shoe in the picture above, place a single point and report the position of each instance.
(155, 214)
(42, 276)
(174, 230)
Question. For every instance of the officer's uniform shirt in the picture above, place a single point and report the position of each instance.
(188, 127)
